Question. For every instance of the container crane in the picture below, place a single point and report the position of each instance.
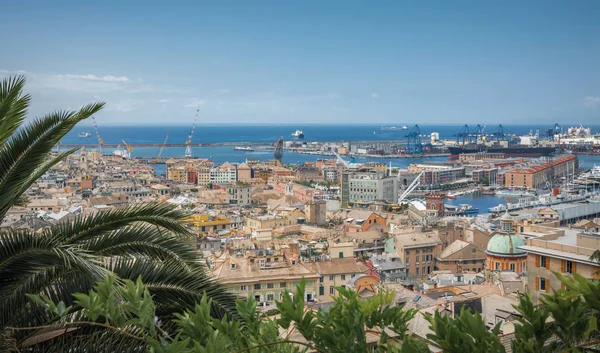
(188, 148)
(100, 140)
(155, 161)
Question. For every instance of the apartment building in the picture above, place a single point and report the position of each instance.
(239, 193)
(265, 274)
(539, 175)
(223, 174)
(368, 186)
(417, 250)
(562, 250)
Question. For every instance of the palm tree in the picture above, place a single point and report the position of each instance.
(144, 240)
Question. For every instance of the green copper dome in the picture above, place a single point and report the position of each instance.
(505, 244)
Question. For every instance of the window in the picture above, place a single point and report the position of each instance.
(233, 266)
(321, 290)
(293, 262)
(257, 286)
(270, 285)
(282, 285)
(497, 268)
(512, 267)
(542, 284)
(243, 288)
(330, 290)
(331, 277)
(543, 261)
(269, 297)
(341, 255)
(343, 277)
(417, 271)
(321, 279)
(569, 267)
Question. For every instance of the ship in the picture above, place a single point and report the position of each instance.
(84, 134)
(247, 148)
(394, 128)
(298, 134)
(513, 151)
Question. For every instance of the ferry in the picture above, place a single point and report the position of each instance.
(247, 148)
(84, 134)
(298, 134)
(393, 128)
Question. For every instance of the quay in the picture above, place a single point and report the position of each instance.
(210, 144)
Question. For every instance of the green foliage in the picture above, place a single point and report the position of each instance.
(144, 240)
(126, 309)
(465, 334)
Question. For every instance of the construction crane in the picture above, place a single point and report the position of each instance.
(411, 187)
(100, 141)
(188, 148)
(279, 150)
(155, 161)
(129, 148)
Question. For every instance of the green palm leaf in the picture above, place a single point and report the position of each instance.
(146, 240)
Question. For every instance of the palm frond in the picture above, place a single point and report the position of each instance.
(27, 149)
(174, 286)
(13, 106)
(84, 228)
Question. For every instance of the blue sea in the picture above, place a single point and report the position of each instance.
(206, 133)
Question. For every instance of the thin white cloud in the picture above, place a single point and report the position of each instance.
(591, 102)
(195, 103)
(222, 90)
(374, 95)
(90, 77)
(164, 100)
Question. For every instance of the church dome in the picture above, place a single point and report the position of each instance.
(505, 244)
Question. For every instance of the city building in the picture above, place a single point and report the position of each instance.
(434, 204)
(460, 256)
(416, 249)
(434, 176)
(542, 174)
(265, 275)
(316, 212)
(244, 172)
(207, 224)
(223, 174)
(562, 250)
(336, 272)
(368, 186)
(239, 194)
(503, 250)
(477, 156)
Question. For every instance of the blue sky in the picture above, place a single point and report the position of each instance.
(310, 61)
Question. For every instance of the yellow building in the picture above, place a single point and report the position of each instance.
(177, 173)
(205, 223)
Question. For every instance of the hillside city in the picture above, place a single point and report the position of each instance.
(262, 227)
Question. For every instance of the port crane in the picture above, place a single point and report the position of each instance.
(100, 140)
(188, 148)
(160, 151)
(413, 141)
(128, 147)
(279, 150)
